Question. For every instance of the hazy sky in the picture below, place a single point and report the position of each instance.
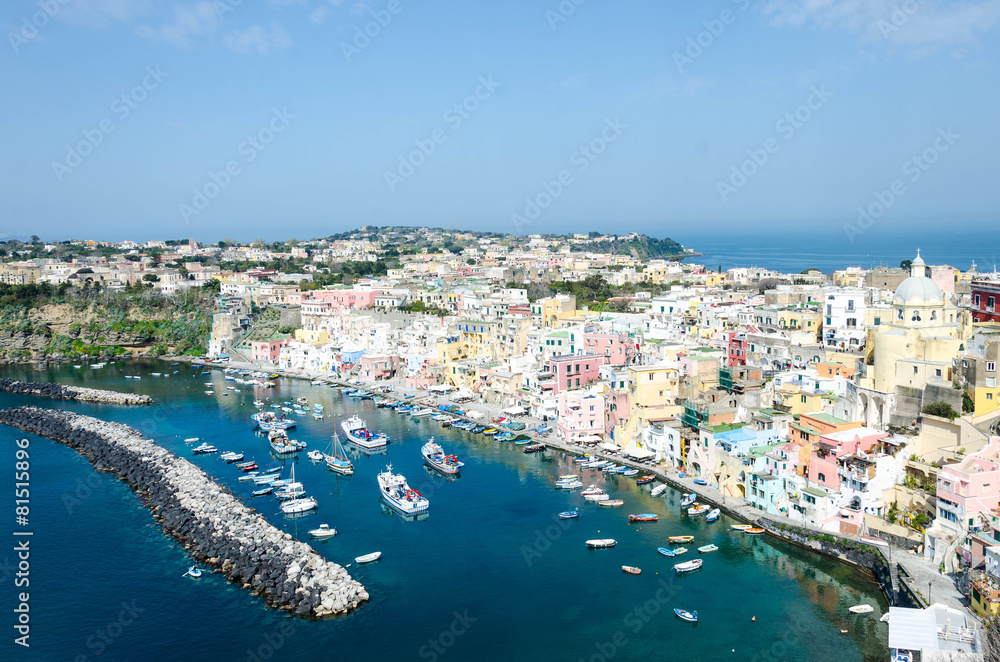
(254, 118)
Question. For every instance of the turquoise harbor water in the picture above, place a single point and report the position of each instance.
(490, 574)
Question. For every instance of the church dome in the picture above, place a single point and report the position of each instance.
(918, 290)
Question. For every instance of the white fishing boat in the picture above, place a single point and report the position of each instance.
(688, 566)
(338, 462)
(357, 431)
(611, 503)
(601, 543)
(295, 506)
(399, 495)
(268, 421)
(658, 490)
(324, 531)
(435, 456)
(281, 444)
(368, 558)
(597, 497)
(698, 509)
(592, 489)
(421, 412)
(315, 456)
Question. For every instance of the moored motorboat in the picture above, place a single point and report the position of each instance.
(399, 495)
(631, 569)
(601, 543)
(713, 515)
(570, 514)
(267, 421)
(688, 499)
(698, 509)
(315, 456)
(262, 492)
(688, 566)
(435, 456)
(534, 448)
(299, 505)
(597, 497)
(357, 432)
(204, 449)
(684, 615)
(631, 472)
(194, 571)
(569, 484)
(739, 527)
(611, 503)
(324, 531)
(642, 480)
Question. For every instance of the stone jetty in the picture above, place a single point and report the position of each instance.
(214, 526)
(60, 392)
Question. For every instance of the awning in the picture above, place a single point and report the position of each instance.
(441, 388)
(608, 446)
(474, 414)
(513, 411)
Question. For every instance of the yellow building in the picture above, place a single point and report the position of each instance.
(984, 597)
(318, 337)
(803, 402)
(551, 310)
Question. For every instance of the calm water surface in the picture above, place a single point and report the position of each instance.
(490, 574)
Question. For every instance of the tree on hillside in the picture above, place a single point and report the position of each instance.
(942, 409)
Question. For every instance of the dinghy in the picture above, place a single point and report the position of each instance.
(570, 514)
(689, 616)
(708, 548)
(688, 566)
(368, 558)
(658, 490)
(631, 569)
(861, 609)
(601, 543)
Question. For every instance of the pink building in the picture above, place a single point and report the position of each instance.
(377, 367)
(614, 346)
(351, 299)
(825, 461)
(970, 488)
(574, 371)
(581, 417)
(267, 351)
(736, 348)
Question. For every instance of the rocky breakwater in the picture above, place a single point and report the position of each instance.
(213, 525)
(60, 392)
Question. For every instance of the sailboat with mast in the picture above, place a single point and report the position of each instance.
(338, 462)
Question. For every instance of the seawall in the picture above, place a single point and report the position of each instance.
(214, 526)
(60, 392)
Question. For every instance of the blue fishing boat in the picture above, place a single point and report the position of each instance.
(713, 515)
(570, 514)
(689, 616)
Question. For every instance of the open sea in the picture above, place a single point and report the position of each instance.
(490, 574)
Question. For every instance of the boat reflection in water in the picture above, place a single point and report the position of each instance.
(392, 512)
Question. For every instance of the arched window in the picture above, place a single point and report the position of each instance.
(899, 314)
(933, 315)
(916, 316)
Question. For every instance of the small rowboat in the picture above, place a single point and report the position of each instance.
(266, 490)
(194, 571)
(753, 530)
(689, 616)
(601, 543)
(688, 566)
(708, 548)
(684, 539)
(631, 472)
(739, 527)
(643, 517)
(611, 503)
(368, 558)
(642, 480)
(677, 551)
(570, 514)
(568, 477)
(658, 490)
(631, 569)
(861, 609)
(699, 481)
(713, 515)
(596, 497)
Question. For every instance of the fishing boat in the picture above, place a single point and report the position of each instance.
(611, 503)
(435, 456)
(399, 495)
(739, 527)
(688, 566)
(643, 517)
(713, 515)
(631, 569)
(266, 479)
(753, 530)
(357, 431)
(267, 421)
(569, 484)
(597, 497)
(666, 551)
(204, 449)
(705, 549)
(658, 490)
(534, 448)
(281, 444)
(642, 480)
(689, 616)
(698, 509)
(592, 489)
(296, 506)
(231, 457)
(324, 531)
(315, 456)
(368, 558)
(683, 539)
(688, 499)
(601, 543)
(262, 492)
(861, 609)
(338, 462)
(570, 514)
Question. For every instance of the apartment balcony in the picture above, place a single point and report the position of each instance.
(856, 476)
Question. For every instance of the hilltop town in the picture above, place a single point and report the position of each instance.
(860, 402)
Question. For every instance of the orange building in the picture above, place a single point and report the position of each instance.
(809, 428)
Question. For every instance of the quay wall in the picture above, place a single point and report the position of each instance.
(213, 525)
(60, 392)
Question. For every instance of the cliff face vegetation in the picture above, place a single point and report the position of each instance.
(39, 321)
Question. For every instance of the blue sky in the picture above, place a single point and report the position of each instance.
(608, 117)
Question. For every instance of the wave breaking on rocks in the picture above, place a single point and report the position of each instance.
(213, 525)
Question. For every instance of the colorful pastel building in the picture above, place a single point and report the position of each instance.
(581, 417)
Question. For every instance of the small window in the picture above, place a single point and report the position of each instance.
(991, 366)
(914, 370)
